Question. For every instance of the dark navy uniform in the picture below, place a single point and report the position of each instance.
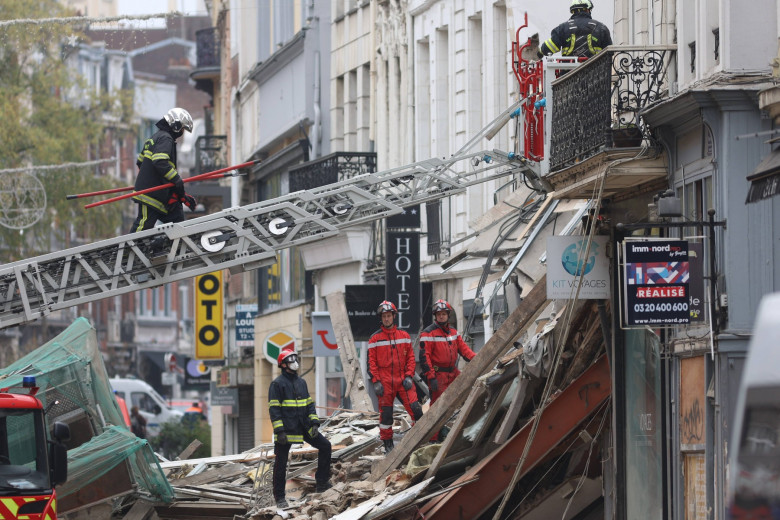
(580, 36)
(293, 413)
(156, 167)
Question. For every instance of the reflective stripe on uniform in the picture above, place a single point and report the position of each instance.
(151, 201)
(144, 217)
(387, 343)
(591, 47)
(439, 339)
(551, 45)
(295, 403)
(292, 439)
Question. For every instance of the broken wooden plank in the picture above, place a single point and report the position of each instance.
(457, 392)
(560, 417)
(189, 450)
(201, 509)
(356, 386)
(525, 388)
(476, 394)
(141, 510)
(212, 475)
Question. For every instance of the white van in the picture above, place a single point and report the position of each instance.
(755, 446)
(151, 405)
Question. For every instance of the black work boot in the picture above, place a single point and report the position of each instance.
(323, 486)
(388, 445)
(281, 503)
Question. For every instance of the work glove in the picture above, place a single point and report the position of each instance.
(190, 202)
(281, 437)
(178, 187)
(433, 385)
(407, 383)
(315, 429)
(379, 390)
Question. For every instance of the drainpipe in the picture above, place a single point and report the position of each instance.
(315, 130)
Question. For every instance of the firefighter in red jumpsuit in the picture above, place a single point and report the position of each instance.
(391, 368)
(440, 345)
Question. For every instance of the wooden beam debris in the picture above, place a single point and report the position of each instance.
(442, 409)
(356, 386)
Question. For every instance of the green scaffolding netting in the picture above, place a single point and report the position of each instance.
(74, 389)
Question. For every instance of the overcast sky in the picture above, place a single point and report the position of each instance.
(159, 6)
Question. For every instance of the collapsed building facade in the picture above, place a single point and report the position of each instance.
(567, 410)
(649, 135)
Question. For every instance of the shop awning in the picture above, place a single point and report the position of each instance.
(765, 179)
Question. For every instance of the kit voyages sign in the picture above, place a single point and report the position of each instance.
(656, 277)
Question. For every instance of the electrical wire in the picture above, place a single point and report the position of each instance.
(49, 167)
(547, 392)
(552, 466)
(525, 211)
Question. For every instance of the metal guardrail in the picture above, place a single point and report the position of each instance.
(335, 167)
(207, 48)
(598, 105)
(210, 153)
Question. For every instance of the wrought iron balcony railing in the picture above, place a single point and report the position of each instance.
(332, 168)
(598, 105)
(210, 153)
(207, 47)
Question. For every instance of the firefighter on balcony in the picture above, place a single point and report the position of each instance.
(579, 36)
(391, 368)
(440, 346)
(295, 420)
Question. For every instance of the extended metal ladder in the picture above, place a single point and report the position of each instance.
(238, 238)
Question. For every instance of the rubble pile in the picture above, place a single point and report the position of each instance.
(239, 486)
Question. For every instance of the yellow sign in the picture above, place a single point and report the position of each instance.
(208, 316)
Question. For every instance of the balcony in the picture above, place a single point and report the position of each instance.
(352, 244)
(210, 153)
(207, 52)
(332, 168)
(597, 124)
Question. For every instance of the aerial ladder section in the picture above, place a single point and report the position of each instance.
(238, 238)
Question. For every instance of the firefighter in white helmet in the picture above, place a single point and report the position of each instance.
(580, 35)
(157, 167)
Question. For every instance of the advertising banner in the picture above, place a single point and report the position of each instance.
(361, 302)
(323, 337)
(409, 218)
(568, 270)
(224, 396)
(402, 278)
(696, 282)
(197, 374)
(656, 276)
(208, 316)
(245, 324)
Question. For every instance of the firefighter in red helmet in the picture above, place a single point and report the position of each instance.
(440, 345)
(391, 369)
(295, 420)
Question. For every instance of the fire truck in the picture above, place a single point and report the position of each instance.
(31, 465)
